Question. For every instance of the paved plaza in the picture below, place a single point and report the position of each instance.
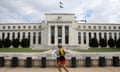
(53, 69)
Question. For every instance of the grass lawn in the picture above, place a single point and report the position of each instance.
(100, 50)
(19, 50)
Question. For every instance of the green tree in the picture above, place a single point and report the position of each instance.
(103, 42)
(6, 43)
(25, 43)
(118, 43)
(93, 42)
(111, 43)
(15, 43)
(1, 45)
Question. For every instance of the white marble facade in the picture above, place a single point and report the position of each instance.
(59, 28)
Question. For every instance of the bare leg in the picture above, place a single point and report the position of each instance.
(65, 68)
(59, 68)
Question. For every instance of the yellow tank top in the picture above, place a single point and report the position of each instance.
(62, 51)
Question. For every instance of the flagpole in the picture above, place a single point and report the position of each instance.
(61, 4)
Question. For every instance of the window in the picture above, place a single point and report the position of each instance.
(119, 34)
(89, 27)
(23, 35)
(105, 36)
(110, 35)
(3, 35)
(19, 27)
(3, 27)
(59, 41)
(13, 35)
(95, 36)
(100, 35)
(66, 34)
(29, 27)
(34, 37)
(79, 37)
(39, 27)
(60, 34)
(104, 27)
(115, 36)
(89, 35)
(94, 27)
(84, 27)
(24, 27)
(18, 35)
(52, 34)
(29, 36)
(59, 31)
(84, 37)
(13, 27)
(114, 27)
(8, 35)
(119, 27)
(78, 26)
(34, 27)
(99, 27)
(109, 27)
(8, 27)
(39, 37)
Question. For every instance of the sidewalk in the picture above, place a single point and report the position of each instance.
(53, 69)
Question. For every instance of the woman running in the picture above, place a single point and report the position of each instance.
(61, 62)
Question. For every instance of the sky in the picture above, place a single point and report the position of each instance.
(32, 11)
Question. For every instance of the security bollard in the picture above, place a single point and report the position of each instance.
(73, 62)
(29, 62)
(115, 61)
(102, 61)
(88, 62)
(14, 62)
(2, 62)
(43, 62)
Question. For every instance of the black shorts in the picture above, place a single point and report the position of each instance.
(61, 58)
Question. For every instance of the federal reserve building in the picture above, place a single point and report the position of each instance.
(61, 28)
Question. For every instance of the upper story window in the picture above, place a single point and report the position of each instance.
(94, 27)
(34, 27)
(114, 27)
(119, 27)
(8, 27)
(39, 27)
(24, 27)
(29, 27)
(84, 27)
(99, 27)
(104, 27)
(89, 27)
(19, 27)
(109, 27)
(78, 26)
(13, 27)
(3, 27)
